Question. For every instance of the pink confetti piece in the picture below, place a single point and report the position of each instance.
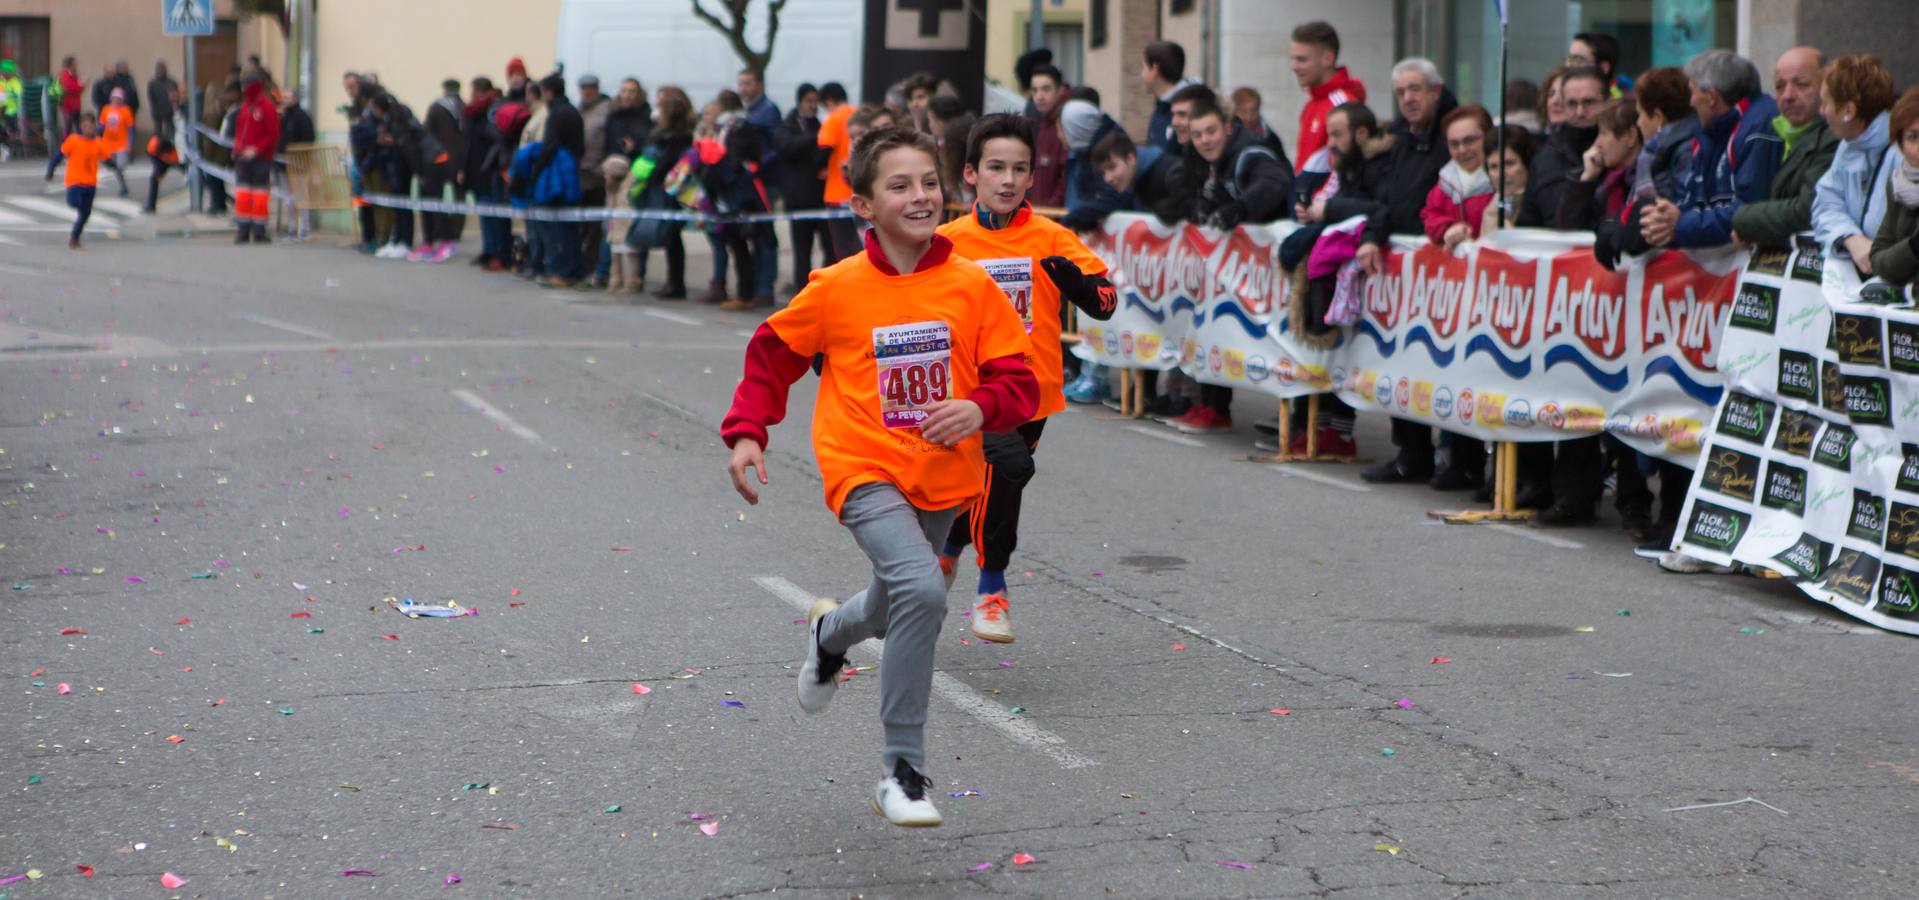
(1231, 864)
(710, 829)
(499, 469)
(450, 879)
(1023, 859)
(135, 579)
(1280, 712)
(369, 873)
(345, 512)
(155, 651)
(1441, 660)
(1179, 646)
(64, 570)
(222, 564)
(11, 879)
(65, 688)
(641, 689)
(1004, 664)
(1405, 703)
(980, 868)
(171, 881)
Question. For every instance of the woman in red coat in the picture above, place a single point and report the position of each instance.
(1457, 204)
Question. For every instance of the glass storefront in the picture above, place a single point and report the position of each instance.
(1462, 36)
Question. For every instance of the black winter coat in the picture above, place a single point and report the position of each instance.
(1411, 169)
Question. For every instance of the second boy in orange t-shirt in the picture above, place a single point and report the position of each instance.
(921, 352)
(1003, 235)
(82, 151)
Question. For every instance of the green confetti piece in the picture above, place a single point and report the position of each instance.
(1625, 612)
(613, 809)
(316, 631)
(286, 710)
(21, 585)
(33, 779)
(1751, 630)
(1385, 751)
(202, 576)
(39, 684)
(472, 786)
(1017, 710)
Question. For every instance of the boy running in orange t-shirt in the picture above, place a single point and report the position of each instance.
(83, 150)
(116, 124)
(1003, 235)
(920, 353)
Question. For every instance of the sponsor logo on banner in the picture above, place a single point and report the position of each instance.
(1869, 400)
(1402, 393)
(1766, 261)
(1683, 303)
(1808, 260)
(1898, 593)
(1443, 402)
(1384, 297)
(1492, 408)
(1909, 468)
(1383, 392)
(1519, 413)
(1902, 530)
(1797, 431)
(1214, 361)
(1807, 556)
(1236, 365)
(1745, 416)
(1283, 371)
(1729, 472)
(1550, 416)
(1466, 405)
(1587, 418)
(1832, 388)
(1423, 399)
(1506, 291)
(1785, 488)
(1756, 308)
(1126, 343)
(1716, 527)
(1859, 340)
(1868, 522)
(1248, 271)
(1161, 268)
(1902, 347)
(1257, 370)
(1587, 304)
(1835, 448)
(1112, 344)
(1798, 376)
(1147, 345)
(1852, 574)
(1436, 301)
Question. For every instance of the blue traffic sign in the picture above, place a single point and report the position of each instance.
(187, 17)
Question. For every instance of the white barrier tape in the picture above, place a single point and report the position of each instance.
(590, 214)
(226, 142)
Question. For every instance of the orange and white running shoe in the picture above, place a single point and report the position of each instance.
(992, 621)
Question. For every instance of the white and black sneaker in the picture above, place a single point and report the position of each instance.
(901, 798)
(819, 674)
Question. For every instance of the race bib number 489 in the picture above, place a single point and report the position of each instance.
(1015, 277)
(914, 364)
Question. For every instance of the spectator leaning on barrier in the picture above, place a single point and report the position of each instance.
(1850, 202)
(1734, 157)
(1163, 69)
(563, 140)
(1806, 154)
(1603, 187)
(1315, 62)
(594, 107)
(801, 188)
(1083, 124)
(1895, 251)
(1510, 174)
(1667, 126)
(1143, 179)
(669, 140)
(444, 157)
(481, 172)
(1558, 161)
(1412, 169)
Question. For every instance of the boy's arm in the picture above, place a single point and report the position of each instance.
(1093, 294)
(1008, 393)
(759, 402)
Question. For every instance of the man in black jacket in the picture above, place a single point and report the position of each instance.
(1245, 179)
(1560, 159)
(565, 129)
(1411, 168)
(481, 173)
(796, 148)
(443, 121)
(160, 93)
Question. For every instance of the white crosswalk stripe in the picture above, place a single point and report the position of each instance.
(118, 206)
(59, 210)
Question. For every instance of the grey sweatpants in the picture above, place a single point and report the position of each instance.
(905, 604)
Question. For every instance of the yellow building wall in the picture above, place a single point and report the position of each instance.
(417, 44)
(100, 32)
(1006, 32)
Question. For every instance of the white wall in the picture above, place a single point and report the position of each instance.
(660, 42)
(1257, 44)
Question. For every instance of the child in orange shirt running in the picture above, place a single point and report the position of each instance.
(1003, 235)
(83, 149)
(116, 125)
(921, 352)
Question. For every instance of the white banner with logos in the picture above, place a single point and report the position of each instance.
(1811, 466)
(1522, 336)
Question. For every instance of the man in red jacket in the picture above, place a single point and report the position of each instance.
(256, 135)
(1315, 54)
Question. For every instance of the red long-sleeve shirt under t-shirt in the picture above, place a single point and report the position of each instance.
(894, 345)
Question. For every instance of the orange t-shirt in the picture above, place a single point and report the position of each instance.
(83, 159)
(833, 134)
(1011, 255)
(115, 121)
(895, 344)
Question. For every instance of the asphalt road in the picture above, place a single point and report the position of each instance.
(220, 463)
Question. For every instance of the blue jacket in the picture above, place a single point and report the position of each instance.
(557, 185)
(764, 116)
(1851, 198)
(1733, 161)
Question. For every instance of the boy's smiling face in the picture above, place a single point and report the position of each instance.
(905, 200)
(1003, 175)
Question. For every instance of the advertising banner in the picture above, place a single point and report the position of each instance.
(1811, 463)
(1522, 336)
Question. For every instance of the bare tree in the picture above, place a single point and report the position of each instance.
(735, 31)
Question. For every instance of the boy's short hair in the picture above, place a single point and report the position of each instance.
(1317, 34)
(1084, 92)
(832, 92)
(1201, 110)
(998, 125)
(1049, 70)
(1169, 58)
(1196, 94)
(864, 167)
(1115, 145)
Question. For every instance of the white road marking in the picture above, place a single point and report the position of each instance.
(14, 218)
(1320, 477)
(21, 270)
(490, 411)
(283, 325)
(1017, 729)
(1171, 437)
(10, 241)
(673, 317)
(118, 206)
(61, 210)
(1534, 534)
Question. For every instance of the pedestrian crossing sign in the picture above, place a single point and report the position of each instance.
(187, 17)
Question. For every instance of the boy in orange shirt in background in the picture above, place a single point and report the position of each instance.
(921, 352)
(116, 124)
(1003, 235)
(83, 150)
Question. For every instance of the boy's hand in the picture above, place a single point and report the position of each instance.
(951, 421)
(747, 455)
